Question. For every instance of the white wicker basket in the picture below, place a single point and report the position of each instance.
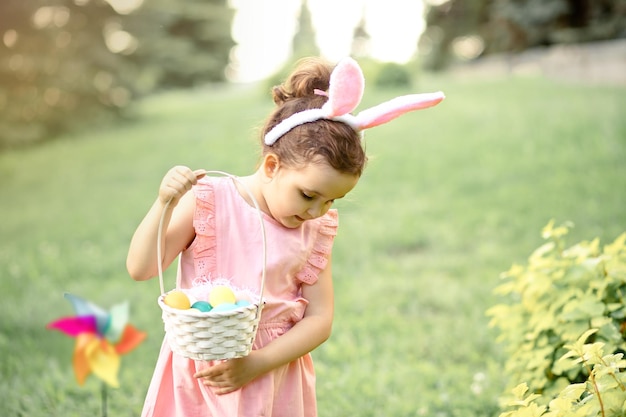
(212, 335)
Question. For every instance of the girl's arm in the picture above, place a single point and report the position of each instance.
(141, 261)
(310, 332)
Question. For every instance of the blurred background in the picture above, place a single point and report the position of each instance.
(67, 63)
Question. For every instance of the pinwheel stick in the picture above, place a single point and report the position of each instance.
(103, 396)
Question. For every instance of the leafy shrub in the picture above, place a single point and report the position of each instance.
(566, 310)
(393, 75)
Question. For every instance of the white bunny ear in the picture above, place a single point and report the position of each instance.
(346, 88)
(391, 109)
(344, 95)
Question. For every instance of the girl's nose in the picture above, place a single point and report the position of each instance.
(315, 210)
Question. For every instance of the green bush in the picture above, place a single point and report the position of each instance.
(563, 328)
(393, 75)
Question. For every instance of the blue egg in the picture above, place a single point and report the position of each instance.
(202, 306)
(242, 303)
(224, 307)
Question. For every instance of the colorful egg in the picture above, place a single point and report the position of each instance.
(224, 307)
(221, 295)
(202, 306)
(177, 299)
(242, 303)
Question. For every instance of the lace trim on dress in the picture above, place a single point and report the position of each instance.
(204, 224)
(322, 249)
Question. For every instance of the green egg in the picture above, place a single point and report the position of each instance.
(202, 306)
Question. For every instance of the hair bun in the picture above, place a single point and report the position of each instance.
(310, 74)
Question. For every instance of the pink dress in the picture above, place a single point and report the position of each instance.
(228, 244)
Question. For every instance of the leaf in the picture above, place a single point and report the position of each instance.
(618, 245)
(515, 271)
(519, 393)
(540, 252)
(550, 232)
(573, 392)
(577, 347)
(561, 404)
(584, 309)
(605, 382)
(592, 353)
(568, 361)
(615, 361)
(520, 390)
(546, 232)
(583, 251)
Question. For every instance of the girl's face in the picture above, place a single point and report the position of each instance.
(295, 195)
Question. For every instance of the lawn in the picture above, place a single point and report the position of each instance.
(452, 196)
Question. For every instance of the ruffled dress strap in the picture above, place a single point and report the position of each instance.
(322, 248)
(204, 223)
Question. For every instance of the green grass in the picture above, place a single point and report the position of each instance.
(451, 197)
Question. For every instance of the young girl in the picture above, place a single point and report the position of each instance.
(312, 155)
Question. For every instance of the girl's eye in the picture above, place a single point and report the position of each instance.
(306, 196)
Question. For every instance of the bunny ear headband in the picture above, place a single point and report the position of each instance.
(344, 95)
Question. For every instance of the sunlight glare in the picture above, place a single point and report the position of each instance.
(125, 6)
(264, 31)
(394, 27)
(10, 38)
(119, 41)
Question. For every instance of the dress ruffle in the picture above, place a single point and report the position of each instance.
(204, 224)
(322, 249)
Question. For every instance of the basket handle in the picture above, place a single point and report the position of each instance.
(261, 222)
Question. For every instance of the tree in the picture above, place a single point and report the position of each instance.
(304, 43)
(515, 25)
(448, 21)
(66, 63)
(360, 40)
(54, 66)
(545, 22)
(182, 43)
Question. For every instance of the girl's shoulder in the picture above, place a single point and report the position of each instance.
(208, 186)
(210, 182)
(218, 197)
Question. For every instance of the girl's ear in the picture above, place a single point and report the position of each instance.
(270, 165)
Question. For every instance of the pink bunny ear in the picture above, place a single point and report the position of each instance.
(391, 109)
(346, 88)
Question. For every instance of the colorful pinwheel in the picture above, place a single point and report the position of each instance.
(101, 337)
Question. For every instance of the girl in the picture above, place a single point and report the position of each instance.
(312, 155)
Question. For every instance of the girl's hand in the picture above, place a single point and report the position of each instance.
(177, 182)
(230, 375)
(302, 338)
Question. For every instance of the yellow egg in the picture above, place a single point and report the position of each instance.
(221, 295)
(177, 299)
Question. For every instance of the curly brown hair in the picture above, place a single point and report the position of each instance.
(338, 144)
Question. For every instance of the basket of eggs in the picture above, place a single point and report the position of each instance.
(212, 320)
